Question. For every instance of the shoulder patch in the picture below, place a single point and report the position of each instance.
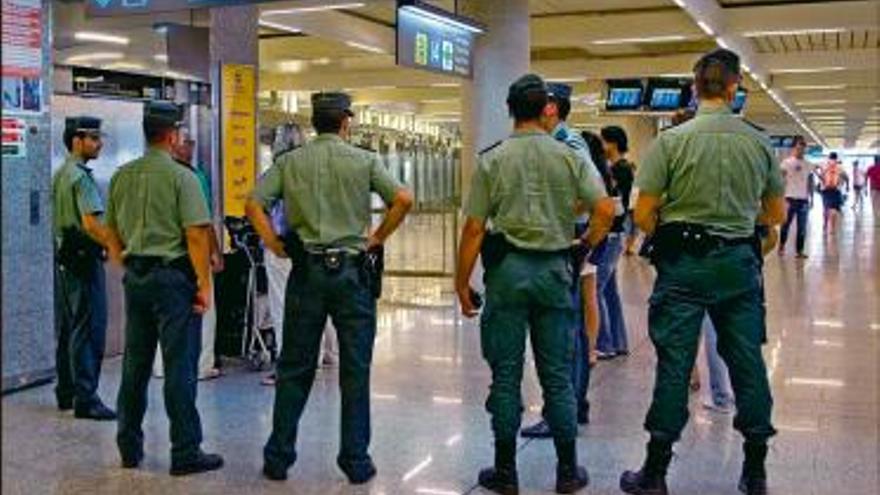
(489, 148)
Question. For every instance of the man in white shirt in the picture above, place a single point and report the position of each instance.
(796, 171)
(860, 179)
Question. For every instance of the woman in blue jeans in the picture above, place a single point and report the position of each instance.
(612, 340)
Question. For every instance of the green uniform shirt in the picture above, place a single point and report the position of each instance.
(152, 201)
(527, 186)
(326, 186)
(74, 194)
(713, 170)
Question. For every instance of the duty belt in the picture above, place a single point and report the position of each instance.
(332, 258)
(145, 264)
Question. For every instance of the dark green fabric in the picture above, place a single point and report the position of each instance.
(529, 294)
(727, 283)
(313, 295)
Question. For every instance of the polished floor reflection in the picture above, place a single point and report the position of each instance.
(431, 433)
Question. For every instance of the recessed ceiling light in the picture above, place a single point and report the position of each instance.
(820, 102)
(722, 43)
(321, 61)
(823, 110)
(361, 46)
(315, 8)
(816, 87)
(706, 29)
(445, 85)
(792, 32)
(100, 38)
(95, 57)
(646, 39)
(807, 70)
(279, 26)
(160, 57)
(124, 66)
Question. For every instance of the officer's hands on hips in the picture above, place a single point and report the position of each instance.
(217, 262)
(202, 302)
(373, 242)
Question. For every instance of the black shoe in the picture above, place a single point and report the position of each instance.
(503, 481)
(274, 473)
(622, 353)
(132, 462)
(97, 411)
(583, 417)
(570, 479)
(753, 486)
(639, 483)
(538, 430)
(200, 464)
(358, 473)
(65, 405)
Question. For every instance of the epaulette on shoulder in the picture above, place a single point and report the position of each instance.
(754, 125)
(490, 148)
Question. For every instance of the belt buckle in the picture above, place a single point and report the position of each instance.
(333, 259)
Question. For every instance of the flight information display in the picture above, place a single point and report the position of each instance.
(426, 39)
(665, 98)
(624, 98)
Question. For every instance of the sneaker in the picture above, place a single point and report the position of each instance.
(200, 464)
(802, 256)
(605, 356)
(538, 430)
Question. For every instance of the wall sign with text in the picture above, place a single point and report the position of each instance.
(22, 56)
(238, 121)
(430, 39)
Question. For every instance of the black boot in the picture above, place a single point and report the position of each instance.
(502, 478)
(569, 476)
(651, 479)
(753, 480)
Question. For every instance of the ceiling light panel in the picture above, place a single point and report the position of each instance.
(315, 8)
(793, 32)
(647, 39)
(101, 38)
(807, 70)
(95, 57)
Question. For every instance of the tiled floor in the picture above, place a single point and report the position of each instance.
(431, 434)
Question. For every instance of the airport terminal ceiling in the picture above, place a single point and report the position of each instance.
(813, 62)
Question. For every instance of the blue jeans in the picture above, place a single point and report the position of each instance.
(612, 327)
(797, 208)
(719, 378)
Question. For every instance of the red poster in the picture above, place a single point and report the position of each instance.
(22, 38)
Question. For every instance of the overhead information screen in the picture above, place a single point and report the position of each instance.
(624, 95)
(435, 40)
(665, 98)
(127, 7)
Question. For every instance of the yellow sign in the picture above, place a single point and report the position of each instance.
(238, 128)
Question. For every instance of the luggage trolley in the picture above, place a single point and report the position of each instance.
(256, 348)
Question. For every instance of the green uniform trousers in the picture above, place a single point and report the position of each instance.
(313, 295)
(529, 292)
(726, 283)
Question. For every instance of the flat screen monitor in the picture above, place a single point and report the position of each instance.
(739, 101)
(434, 40)
(624, 95)
(665, 98)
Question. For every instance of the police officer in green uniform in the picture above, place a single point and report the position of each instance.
(555, 121)
(530, 187)
(160, 232)
(703, 187)
(326, 187)
(81, 296)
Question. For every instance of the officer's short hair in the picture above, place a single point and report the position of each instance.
(563, 106)
(527, 97)
(615, 134)
(715, 71)
(832, 155)
(160, 118)
(328, 121)
(799, 139)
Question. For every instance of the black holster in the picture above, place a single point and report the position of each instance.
(494, 249)
(296, 250)
(78, 252)
(373, 267)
